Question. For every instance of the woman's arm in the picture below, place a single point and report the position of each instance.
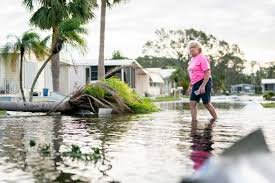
(188, 92)
(207, 75)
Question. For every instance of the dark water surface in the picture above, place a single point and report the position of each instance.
(156, 148)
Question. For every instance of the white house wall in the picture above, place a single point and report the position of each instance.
(47, 78)
(76, 78)
(63, 80)
(2, 75)
(72, 78)
(44, 81)
(10, 76)
(142, 83)
(30, 69)
(155, 91)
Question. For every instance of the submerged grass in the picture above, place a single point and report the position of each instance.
(136, 103)
(74, 151)
(45, 149)
(2, 113)
(165, 99)
(268, 105)
(95, 91)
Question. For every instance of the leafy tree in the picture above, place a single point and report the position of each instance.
(227, 60)
(117, 55)
(173, 43)
(160, 62)
(49, 14)
(29, 43)
(70, 33)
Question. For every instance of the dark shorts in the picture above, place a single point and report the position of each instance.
(206, 97)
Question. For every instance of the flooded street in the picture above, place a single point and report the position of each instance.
(162, 147)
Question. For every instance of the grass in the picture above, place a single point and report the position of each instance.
(136, 103)
(45, 149)
(268, 105)
(74, 152)
(2, 113)
(165, 99)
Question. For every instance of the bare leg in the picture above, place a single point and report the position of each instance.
(211, 110)
(193, 108)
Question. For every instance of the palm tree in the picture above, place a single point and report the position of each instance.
(28, 43)
(104, 5)
(49, 16)
(70, 33)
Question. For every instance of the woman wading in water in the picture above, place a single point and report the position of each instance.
(200, 80)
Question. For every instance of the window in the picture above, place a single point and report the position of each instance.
(94, 73)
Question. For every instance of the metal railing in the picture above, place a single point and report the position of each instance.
(9, 87)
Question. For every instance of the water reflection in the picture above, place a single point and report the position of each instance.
(101, 132)
(185, 105)
(145, 148)
(201, 144)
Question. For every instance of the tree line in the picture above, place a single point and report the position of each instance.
(168, 50)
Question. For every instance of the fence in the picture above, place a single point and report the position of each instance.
(9, 87)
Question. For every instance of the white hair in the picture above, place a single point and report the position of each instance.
(196, 44)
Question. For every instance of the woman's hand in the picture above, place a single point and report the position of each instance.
(202, 89)
(188, 92)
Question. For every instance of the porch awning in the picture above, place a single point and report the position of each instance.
(156, 78)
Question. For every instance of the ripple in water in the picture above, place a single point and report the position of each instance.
(161, 147)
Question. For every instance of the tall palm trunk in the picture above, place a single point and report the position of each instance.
(101, 68)
(38, 74)
(21, 74)
(55, 67)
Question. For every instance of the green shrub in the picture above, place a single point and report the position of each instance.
(136, 103)
(2, 113)
(165, 99)
(122, 89)
(144, 106)
(268, 95)
(268, 105)
(95, 91)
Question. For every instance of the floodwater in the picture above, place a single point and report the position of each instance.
(158, 148)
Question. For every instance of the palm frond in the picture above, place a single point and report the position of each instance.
(69, 25)
(45, 40)
(72, 32)
(111, 3)
(30, 41)
(82, 9)
(52, 12)
(29, 37)
(48, 16)
(7, 51)
(42, 18)
(11, 49)
(29, 4)
(40, 51)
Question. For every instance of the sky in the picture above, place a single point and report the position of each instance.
(248, 23)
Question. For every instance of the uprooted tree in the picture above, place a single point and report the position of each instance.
(109, 93)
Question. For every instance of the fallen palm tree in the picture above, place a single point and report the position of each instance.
(110, 93)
